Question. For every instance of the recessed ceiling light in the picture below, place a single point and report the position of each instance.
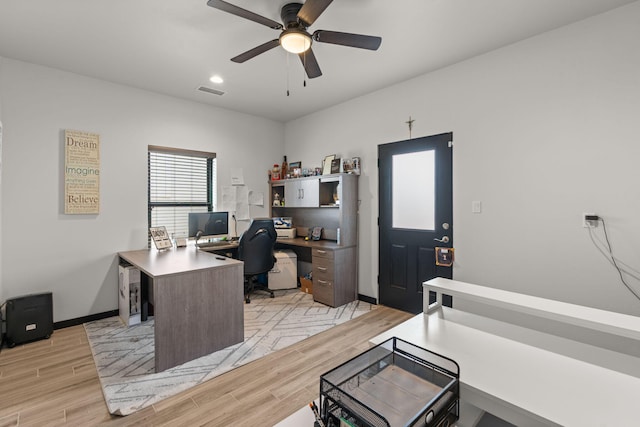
(216, 79)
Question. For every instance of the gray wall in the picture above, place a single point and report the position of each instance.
(75, 255)
(544, 130)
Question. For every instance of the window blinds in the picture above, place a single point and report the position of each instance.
(180, 181)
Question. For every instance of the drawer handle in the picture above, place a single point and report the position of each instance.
(321, 252)
(323, 282)
(322, 268)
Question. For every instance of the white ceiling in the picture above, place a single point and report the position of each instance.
(174, 46)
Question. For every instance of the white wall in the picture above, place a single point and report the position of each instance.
(75, 255)
(1, 238)
(544, 130)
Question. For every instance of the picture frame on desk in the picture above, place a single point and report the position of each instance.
(160, 237)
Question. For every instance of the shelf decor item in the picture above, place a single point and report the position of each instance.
(326, 164)
(356, 165)
(347, 165)
(335, 165)
(295, 169)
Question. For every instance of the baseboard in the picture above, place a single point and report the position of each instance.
(85, 319)
(368, 299)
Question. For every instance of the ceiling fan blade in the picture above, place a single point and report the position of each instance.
(310, 64)
(243, 13)
(311, 9)
(348, 39)
(256, 51)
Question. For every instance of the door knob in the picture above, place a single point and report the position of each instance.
(445, 239)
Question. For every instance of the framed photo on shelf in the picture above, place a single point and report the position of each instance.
(347, 165)
(295, 169)
(355, 163)
(335, 165)
(326, 164)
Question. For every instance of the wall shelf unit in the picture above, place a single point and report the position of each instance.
(330, 202)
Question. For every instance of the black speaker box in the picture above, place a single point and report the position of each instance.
(29, 318)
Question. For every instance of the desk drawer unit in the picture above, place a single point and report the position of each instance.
(323, 269)
(322, 253)
(334, 275)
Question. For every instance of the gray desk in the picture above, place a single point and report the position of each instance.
(198, 302)
(335, 274)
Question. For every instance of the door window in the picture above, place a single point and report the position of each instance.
(413, 193)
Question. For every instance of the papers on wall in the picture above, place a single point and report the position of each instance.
(237, 177)
(242, 202)
(236, 199)
(228, 202)
(256, 198)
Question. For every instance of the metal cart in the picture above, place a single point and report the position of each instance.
(392, 384)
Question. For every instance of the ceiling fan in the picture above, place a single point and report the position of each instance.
(294, 37)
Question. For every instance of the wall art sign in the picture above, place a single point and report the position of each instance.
(81, 172)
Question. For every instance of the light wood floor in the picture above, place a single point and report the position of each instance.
(54, 382)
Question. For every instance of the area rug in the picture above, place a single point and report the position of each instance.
(124, 356)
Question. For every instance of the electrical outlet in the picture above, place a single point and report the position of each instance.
(589, 223)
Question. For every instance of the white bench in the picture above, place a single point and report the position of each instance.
(532, 361)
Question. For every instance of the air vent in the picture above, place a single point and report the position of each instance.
(209, 90)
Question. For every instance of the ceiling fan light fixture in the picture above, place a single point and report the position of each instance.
(295, 41)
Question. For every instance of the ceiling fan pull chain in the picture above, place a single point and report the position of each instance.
(287, 55)
(304, 73)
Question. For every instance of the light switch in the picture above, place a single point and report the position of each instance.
(476, 206)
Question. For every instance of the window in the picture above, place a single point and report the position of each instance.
(180, 181)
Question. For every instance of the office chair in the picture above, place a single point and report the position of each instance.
(255, 248)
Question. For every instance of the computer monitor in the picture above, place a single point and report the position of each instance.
(210, 224)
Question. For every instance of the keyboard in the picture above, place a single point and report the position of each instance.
(214, 244)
